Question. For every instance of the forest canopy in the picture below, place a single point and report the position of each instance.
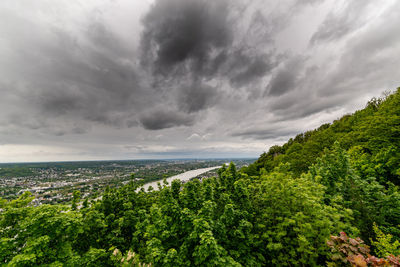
(286, 209)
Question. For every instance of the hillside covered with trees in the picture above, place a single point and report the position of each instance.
(329, 196)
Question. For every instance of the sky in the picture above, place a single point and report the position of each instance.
(129, 79)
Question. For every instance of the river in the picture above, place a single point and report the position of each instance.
(184, 177)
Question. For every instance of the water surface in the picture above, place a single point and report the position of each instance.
(184, 177)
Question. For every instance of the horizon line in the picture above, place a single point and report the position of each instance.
(111, 160)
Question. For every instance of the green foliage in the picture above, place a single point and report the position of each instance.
(75, 199)
(356, 158)
(38, 235)
(374, 131)
(294, 220)
(384, 243)
(369, 200)
(279, 211)
(232, 220)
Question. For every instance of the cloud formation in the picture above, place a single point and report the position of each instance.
(196, 97)
(161, 119)
(286, 78)
(91, 79)
(199, 42)
(184, 31)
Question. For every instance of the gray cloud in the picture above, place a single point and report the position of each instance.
(199, 40)
(106, 41)
(246, 66)
(181, 31)
(196, 97)
(161, 119)
(194, 51)
(368, 59)
(286, 78)
(90, 78)
(263, 134)
(351, 16)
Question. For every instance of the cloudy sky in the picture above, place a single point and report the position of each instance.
(128, 79)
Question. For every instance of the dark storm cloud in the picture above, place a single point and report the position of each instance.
(196, 52)
(60, 102)
(180, 30)
(286, 78)
(93, 79)
(197, 41)
(253, 70)
(96, 74)
(283, 82)
(196, 97)
(246, 66)
(161, 119)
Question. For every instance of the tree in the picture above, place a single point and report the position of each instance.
(76, 197)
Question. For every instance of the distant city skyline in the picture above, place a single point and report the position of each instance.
(165, 79)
